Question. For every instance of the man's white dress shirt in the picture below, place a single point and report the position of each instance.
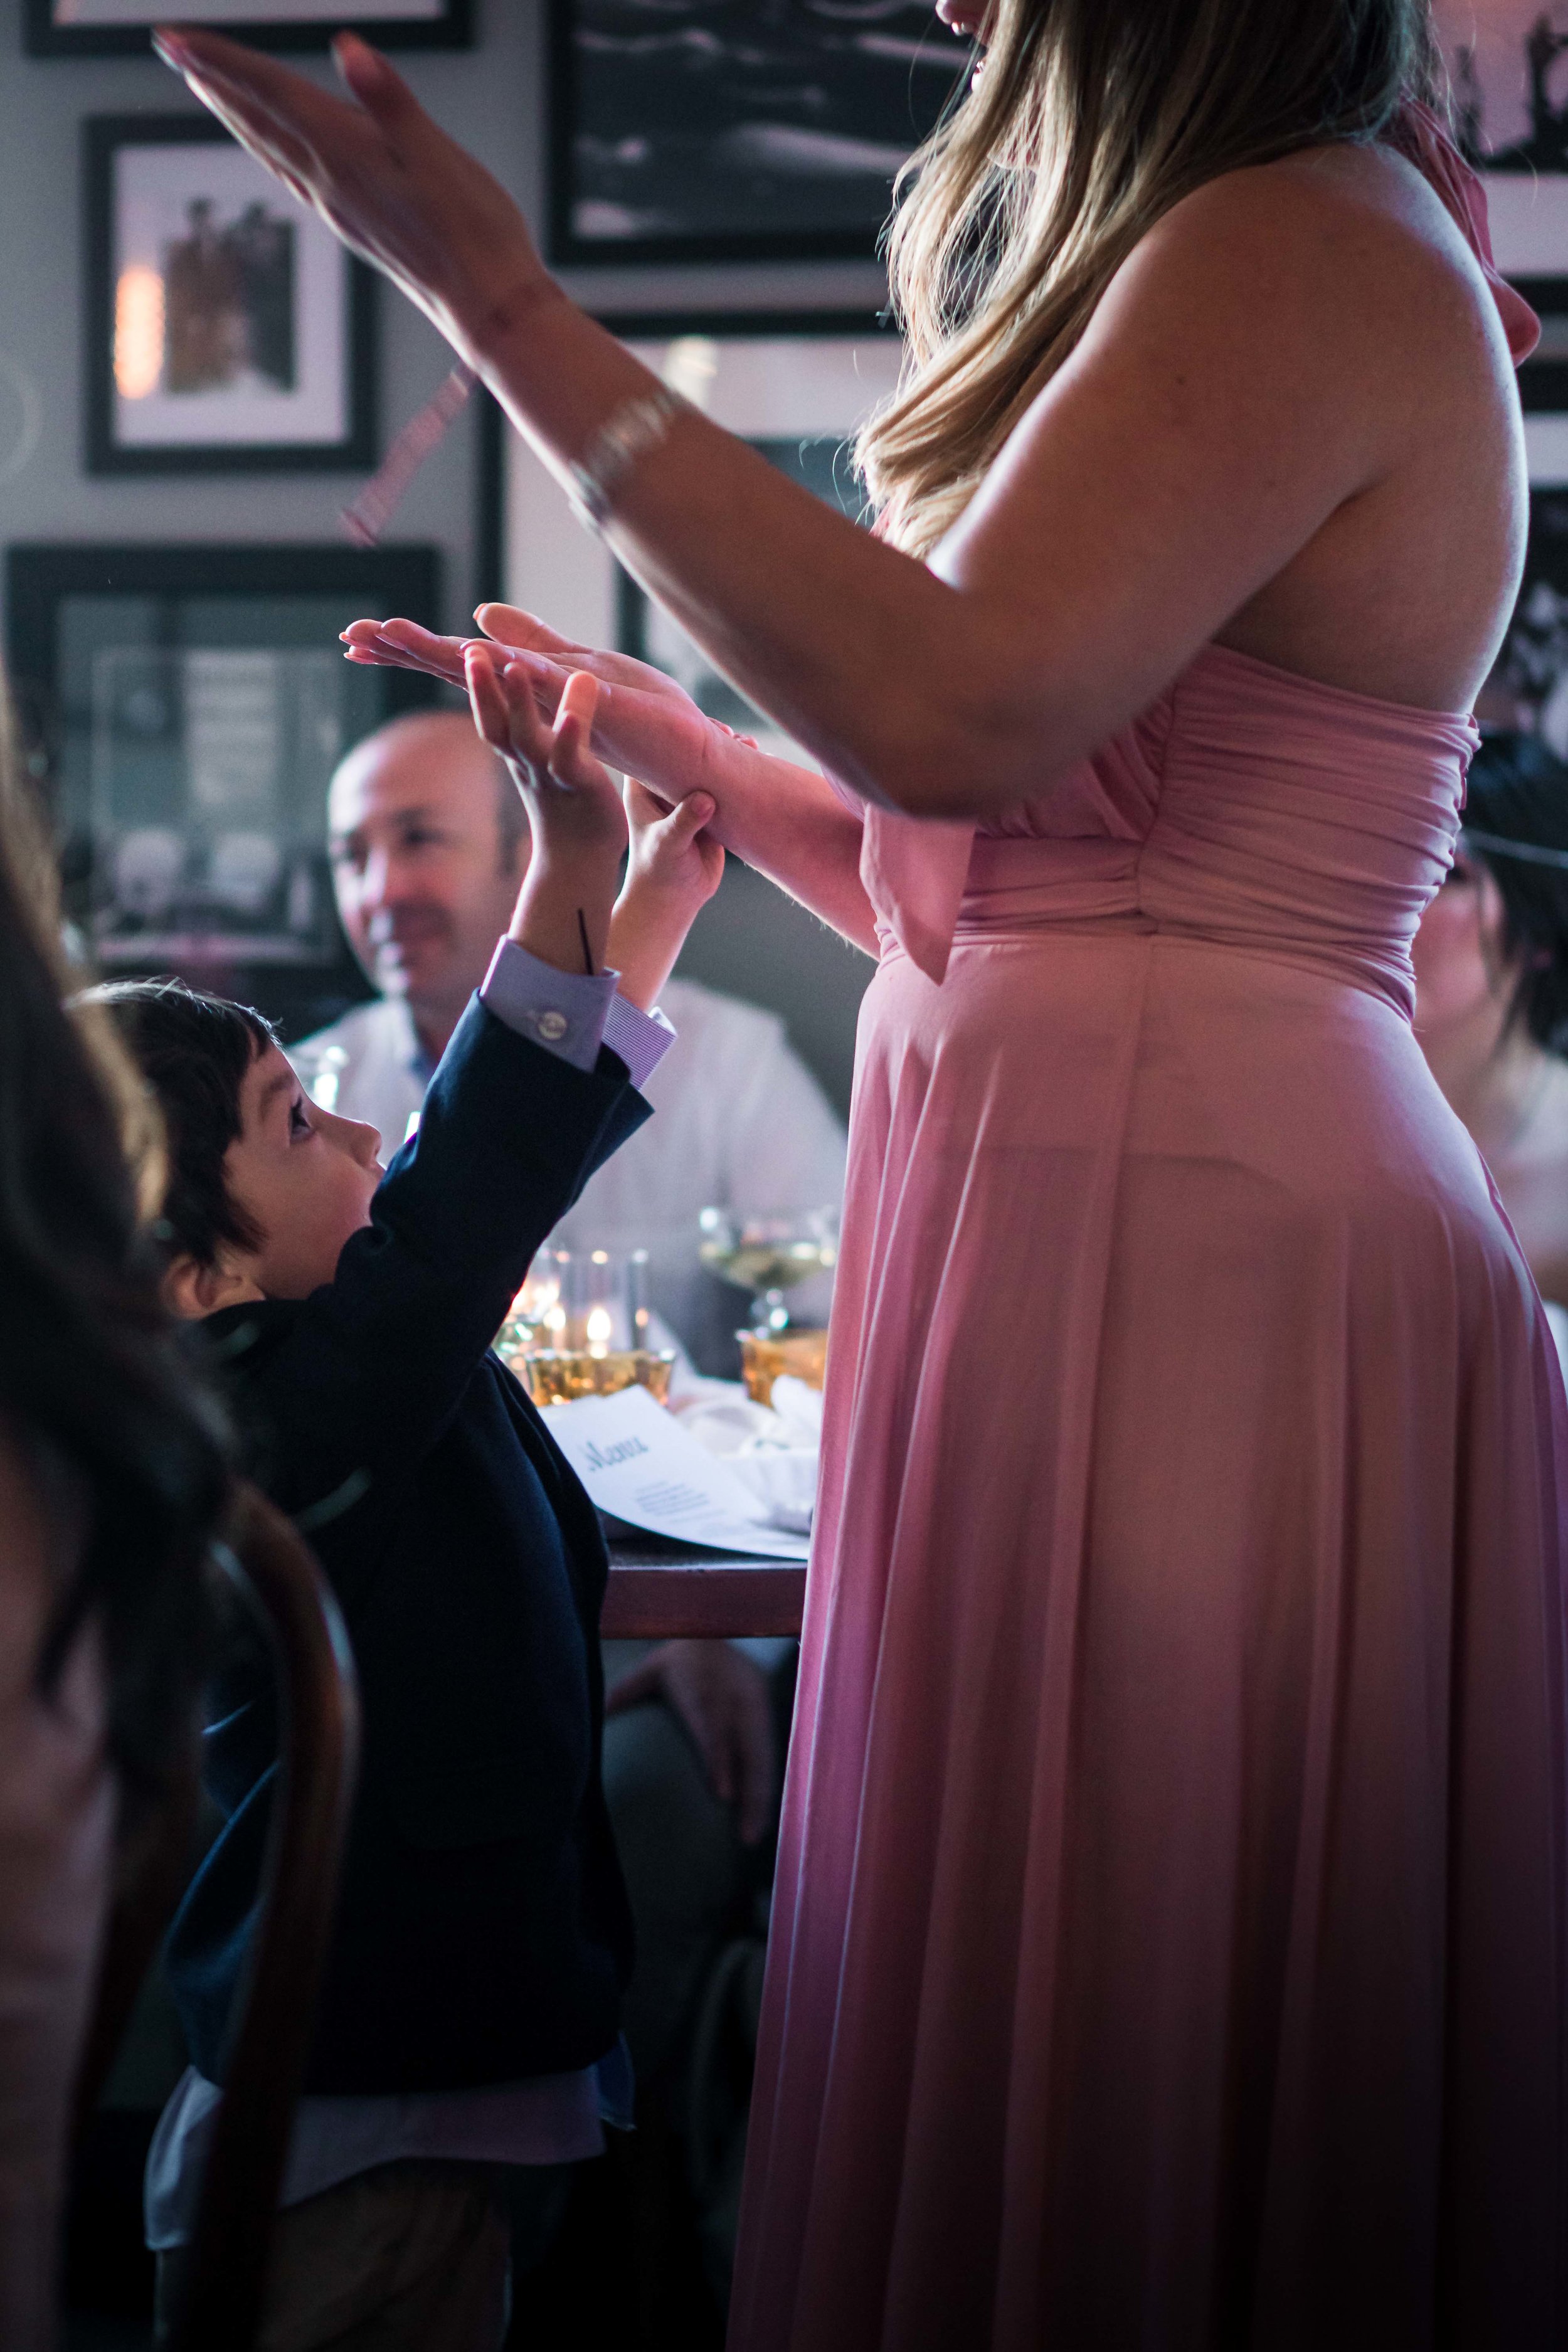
(741, 1124)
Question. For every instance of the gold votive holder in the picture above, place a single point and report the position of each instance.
(766, 1355)
(562, 1375)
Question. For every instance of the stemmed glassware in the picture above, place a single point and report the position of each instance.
(768, 1254)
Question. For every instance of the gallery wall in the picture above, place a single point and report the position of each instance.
(492, 97)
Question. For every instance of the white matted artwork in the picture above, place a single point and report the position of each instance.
(248, 12)
(226, 326)
(1507, 66)
(798, 398)
(86, 28)
(1528, 213)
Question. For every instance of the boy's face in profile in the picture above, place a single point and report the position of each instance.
(304, 1177)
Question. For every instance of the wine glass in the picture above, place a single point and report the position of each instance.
(768, 1253)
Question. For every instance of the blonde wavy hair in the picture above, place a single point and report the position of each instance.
(1091, 119)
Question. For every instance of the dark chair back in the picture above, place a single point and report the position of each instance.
(275, 1574)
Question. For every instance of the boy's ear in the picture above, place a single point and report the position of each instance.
(192, 1291)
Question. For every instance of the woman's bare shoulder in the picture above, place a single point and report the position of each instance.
(1347, 236)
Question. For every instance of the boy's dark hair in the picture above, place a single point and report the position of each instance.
(1517, 792)
(193, 1052)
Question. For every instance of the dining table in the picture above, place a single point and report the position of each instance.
(661, 1590)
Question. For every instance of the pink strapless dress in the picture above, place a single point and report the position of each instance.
(1170, 1947)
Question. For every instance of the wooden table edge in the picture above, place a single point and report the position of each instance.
(705, 1599)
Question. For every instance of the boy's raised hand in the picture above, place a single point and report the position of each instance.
(570, 795)
(673, 871)
(575, 813)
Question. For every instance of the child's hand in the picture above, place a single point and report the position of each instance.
(670, 852)
(575, 813)
(674, 868)
(571, 797)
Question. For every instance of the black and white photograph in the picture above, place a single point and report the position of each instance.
(797, 401)
(1508, 67)
(727, 129)
(1508, 61)
(228, 328)
(65, 28)
(1527, 693)
(182, 709)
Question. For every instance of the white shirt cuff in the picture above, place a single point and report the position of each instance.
(641, 1039)
(572, 1013)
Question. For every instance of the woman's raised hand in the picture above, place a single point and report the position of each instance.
(378, 172)
(645, 723)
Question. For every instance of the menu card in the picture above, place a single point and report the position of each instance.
(639, 1465)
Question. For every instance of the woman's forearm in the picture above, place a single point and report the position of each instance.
(762, 575)
(791, 825)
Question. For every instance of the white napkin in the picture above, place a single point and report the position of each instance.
(775, 1451)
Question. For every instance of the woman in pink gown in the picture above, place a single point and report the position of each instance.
(1169, 1945)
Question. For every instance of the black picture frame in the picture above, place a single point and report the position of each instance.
(355, 449)
(1508, 77)
(68, 603)
(723, 130)
(1543, 378)
(43, 37)
(1527, 691)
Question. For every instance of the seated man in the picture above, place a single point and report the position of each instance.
(428, 844)
(428, 849)
(469, 2012)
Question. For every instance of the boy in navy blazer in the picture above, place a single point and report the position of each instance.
(469, 2016)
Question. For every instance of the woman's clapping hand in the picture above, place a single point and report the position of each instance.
(644, 722)
(380, 174)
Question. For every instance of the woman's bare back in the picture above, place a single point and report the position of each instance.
(1405, 591)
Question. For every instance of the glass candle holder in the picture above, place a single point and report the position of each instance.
(593, 1302)
(562, 1375)
(766, 1355)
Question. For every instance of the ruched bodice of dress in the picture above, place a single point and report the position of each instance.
(1249, 808)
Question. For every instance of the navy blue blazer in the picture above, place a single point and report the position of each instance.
(482, 1931)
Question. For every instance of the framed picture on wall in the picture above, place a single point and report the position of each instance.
(682, 130)
(1528, 689)
(1507, 65)
(226, 328)
(797, 400)
(800, 398)
(100, 28)
(183, 709)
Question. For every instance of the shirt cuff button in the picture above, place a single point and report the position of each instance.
(552, 1027)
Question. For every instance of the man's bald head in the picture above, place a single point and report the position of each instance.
(411, 748)
(429, 840)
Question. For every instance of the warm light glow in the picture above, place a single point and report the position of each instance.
(138, 333)
(599, 1328)
(555, 1320)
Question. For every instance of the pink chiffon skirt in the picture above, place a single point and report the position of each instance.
(1170, 1946)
